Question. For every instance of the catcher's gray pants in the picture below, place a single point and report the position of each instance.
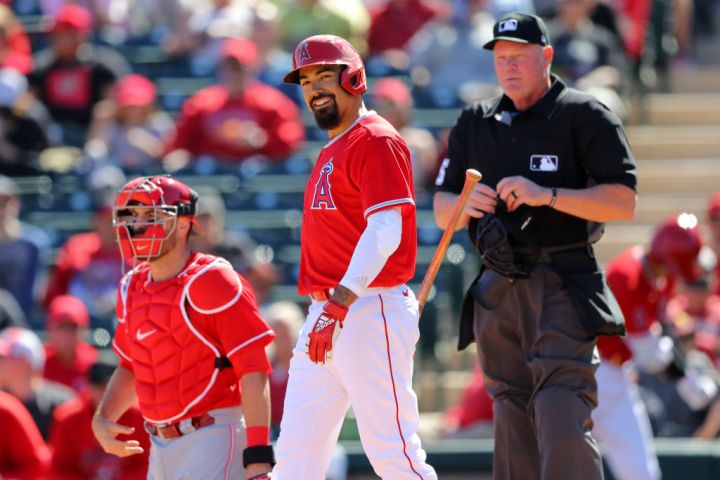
(209, 453)
(539, 362)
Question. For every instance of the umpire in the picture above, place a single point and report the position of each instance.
(555, 164)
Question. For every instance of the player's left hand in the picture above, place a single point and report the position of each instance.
(325, 331)
(517, 190)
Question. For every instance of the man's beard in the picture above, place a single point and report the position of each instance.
(329, 117)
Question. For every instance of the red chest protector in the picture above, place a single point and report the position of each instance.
(176, 366)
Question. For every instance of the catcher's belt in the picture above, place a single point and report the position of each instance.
(169, 431)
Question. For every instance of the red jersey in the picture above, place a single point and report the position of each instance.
(171, 333)
(363, 170)
(394, 24)
(23, 454)
(212, 123)
(74, 375)
(83, 457)
(476, 405)
(642, 301)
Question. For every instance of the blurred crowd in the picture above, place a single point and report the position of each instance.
(101, 90)
(160, 85)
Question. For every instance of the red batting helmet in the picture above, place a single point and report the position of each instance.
(676, 244)
(145, 214)
(330, 50)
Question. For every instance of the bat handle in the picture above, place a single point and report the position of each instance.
(472, 177)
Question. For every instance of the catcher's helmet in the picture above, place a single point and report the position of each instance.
(330, 50)
(145, 211)
(676, 244)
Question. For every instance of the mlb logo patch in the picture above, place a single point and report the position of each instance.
(508, 26)
(544, 163)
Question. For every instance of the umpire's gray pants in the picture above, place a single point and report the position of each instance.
(539, 363)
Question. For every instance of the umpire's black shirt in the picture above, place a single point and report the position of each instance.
(568, 139)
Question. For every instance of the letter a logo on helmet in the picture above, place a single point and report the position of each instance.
(303, 53)
(330, 50)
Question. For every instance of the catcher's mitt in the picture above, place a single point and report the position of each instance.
(496, 252)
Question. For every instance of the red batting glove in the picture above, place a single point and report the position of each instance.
(325, 331)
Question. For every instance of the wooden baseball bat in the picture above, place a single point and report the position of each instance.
(472, 177)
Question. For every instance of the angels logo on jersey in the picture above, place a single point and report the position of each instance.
(322, 198)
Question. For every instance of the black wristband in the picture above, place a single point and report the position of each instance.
(258, 454)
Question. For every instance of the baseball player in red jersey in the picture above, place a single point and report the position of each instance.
(713, 225)
(358, 249)
(191, 345)
(643, 282)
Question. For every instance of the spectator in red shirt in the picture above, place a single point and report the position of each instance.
(394, 24)
(129, 130)
(67, 356)
(473, 416)
(14, 45)
(83, 458)
(87, 267)
(23, 454)
(238, 118)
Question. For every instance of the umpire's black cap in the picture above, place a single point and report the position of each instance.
(520, 28)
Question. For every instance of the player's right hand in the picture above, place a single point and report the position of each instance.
(106, 432)
(325, 331)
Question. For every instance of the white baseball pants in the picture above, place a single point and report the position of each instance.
(371, 370)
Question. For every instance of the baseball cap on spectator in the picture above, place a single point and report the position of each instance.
(714, 206)
(394, 90)
(72, 18)
(519, 28)
(13, 85)
(16, 342)
(134, 90)
(67, 309)
(241, 49)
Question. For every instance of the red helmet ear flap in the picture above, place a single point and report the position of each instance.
(353, 80)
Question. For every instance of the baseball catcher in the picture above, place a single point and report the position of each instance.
(191, 345)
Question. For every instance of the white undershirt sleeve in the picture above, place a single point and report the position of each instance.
(379, 240)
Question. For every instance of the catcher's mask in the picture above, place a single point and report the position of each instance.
(145, 213)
